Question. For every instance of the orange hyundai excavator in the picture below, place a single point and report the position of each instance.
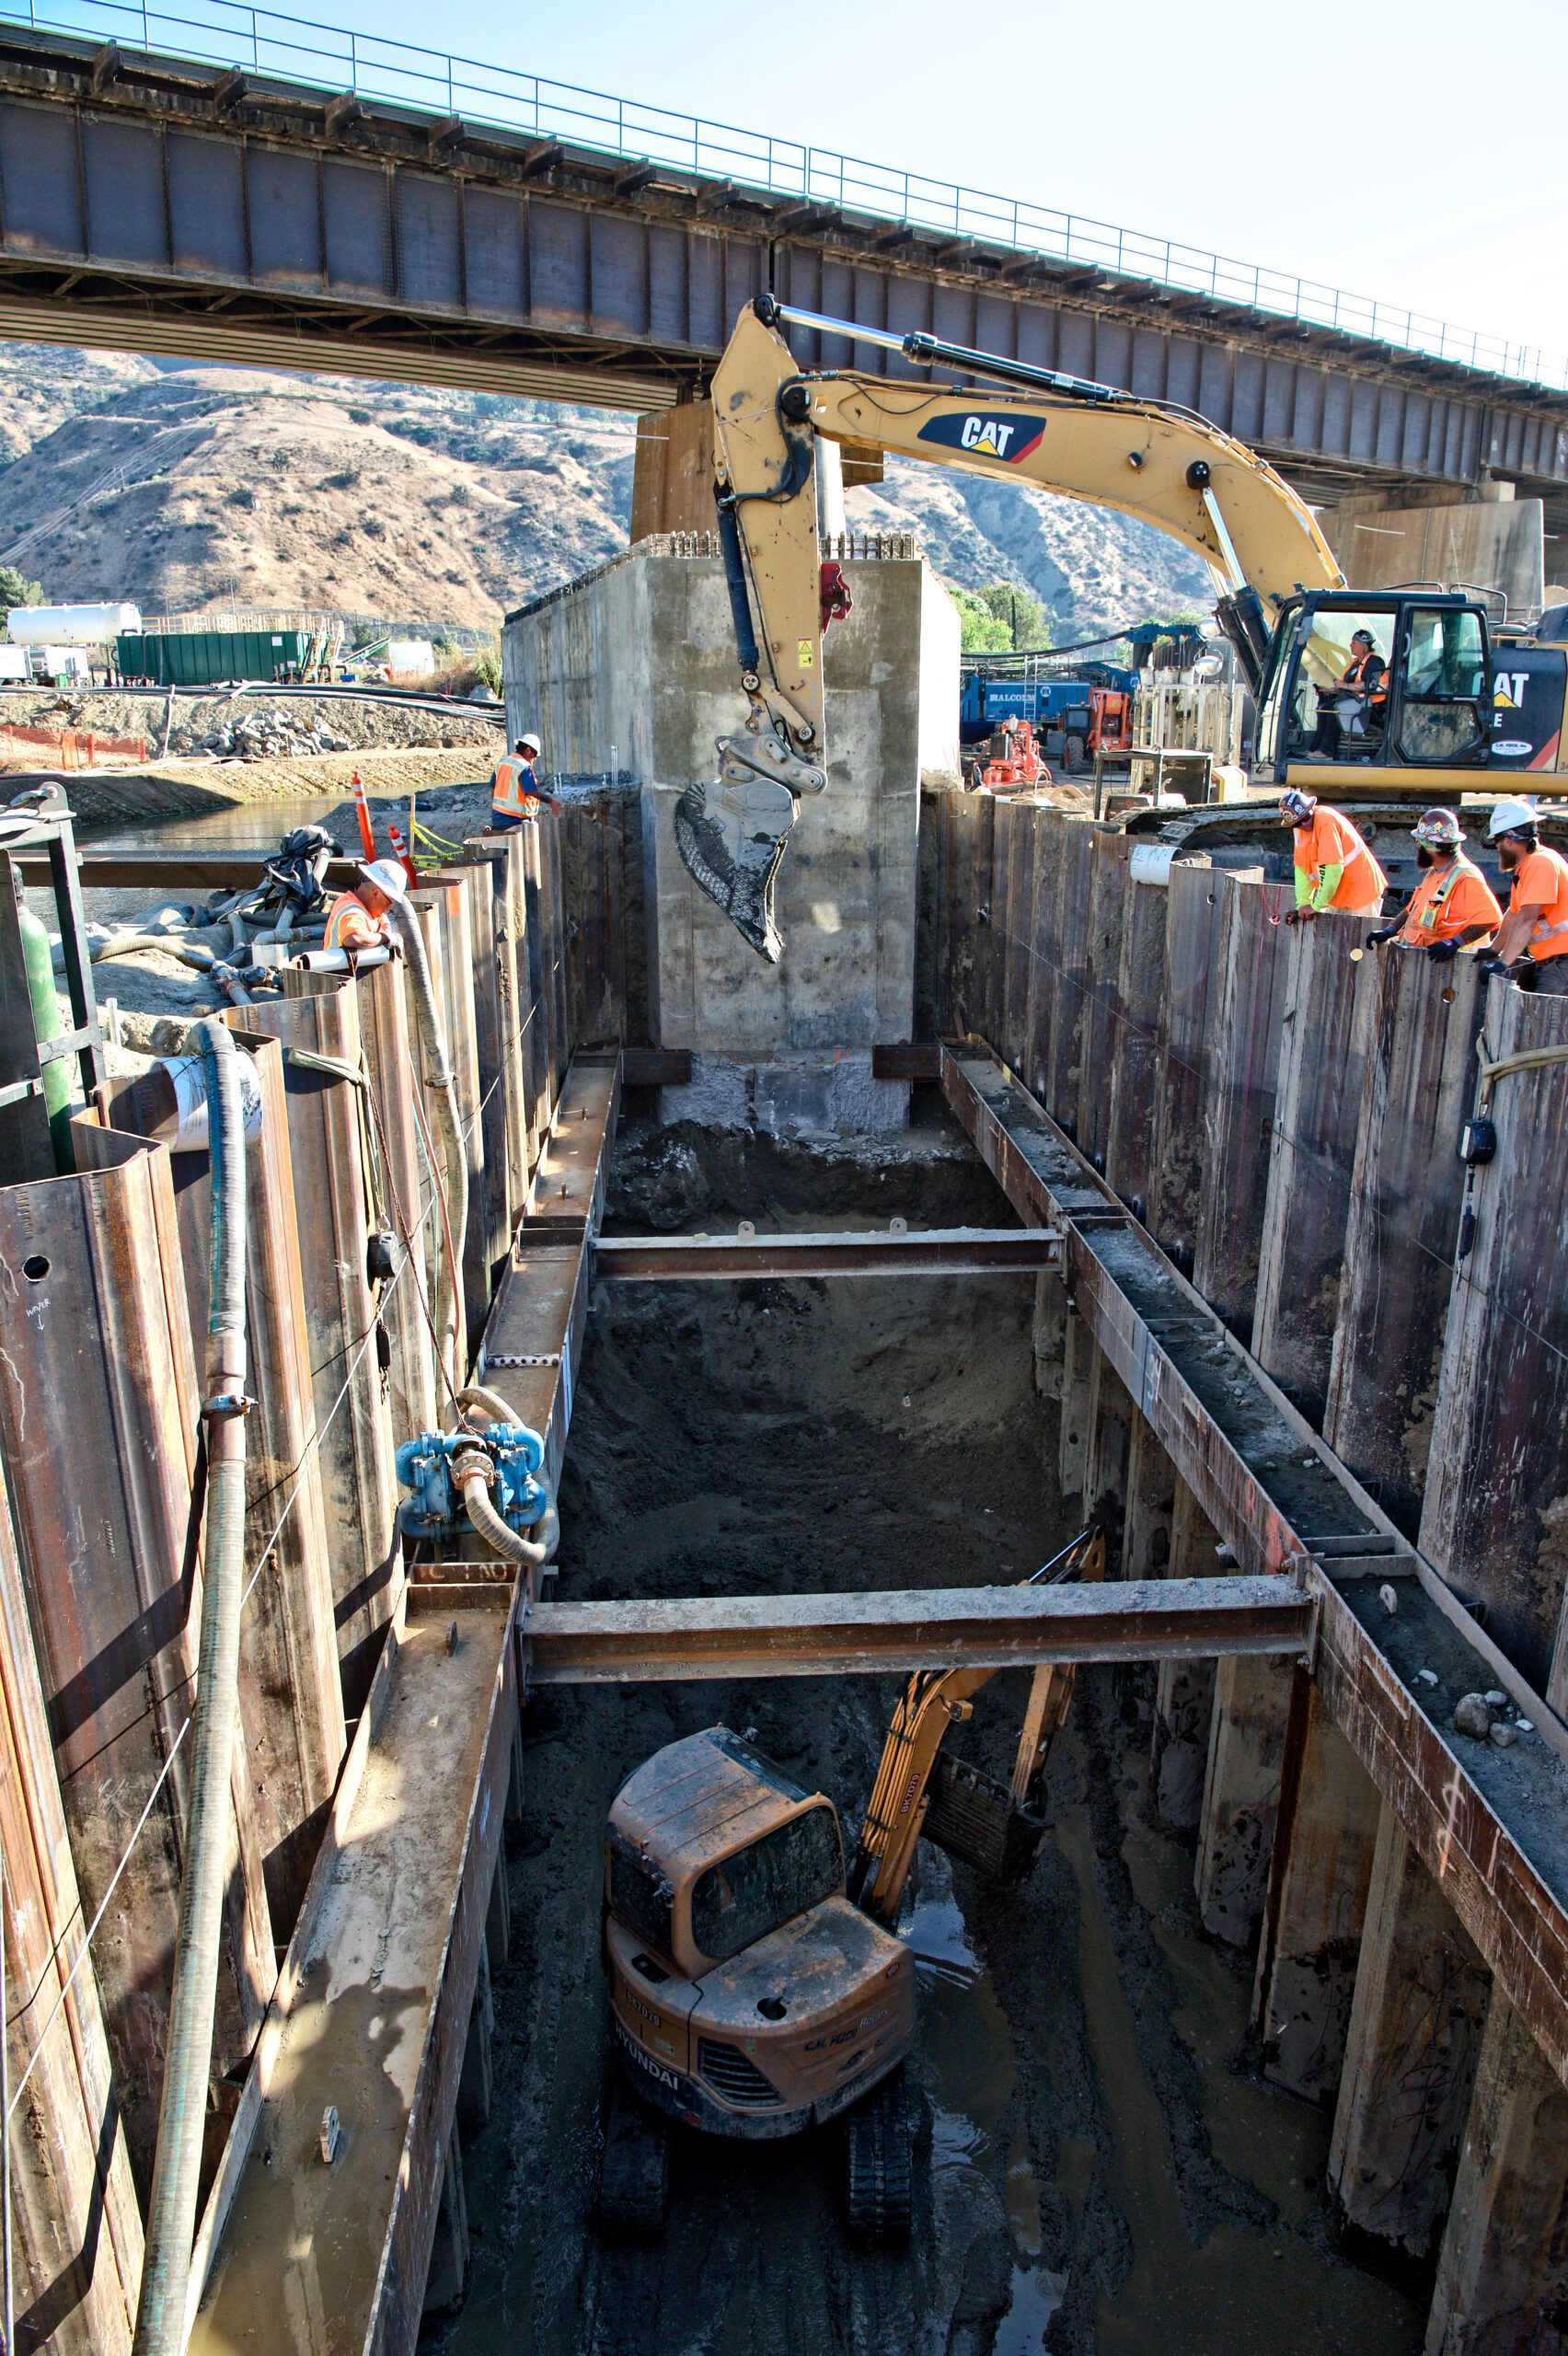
(1458, 707)
(757, 1985)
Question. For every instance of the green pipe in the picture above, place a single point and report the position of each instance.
(46, 1025)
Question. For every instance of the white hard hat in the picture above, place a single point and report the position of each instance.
(387, 876)
(531, 742)
(1510, 816)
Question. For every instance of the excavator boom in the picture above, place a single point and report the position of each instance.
(1150, 459)
(932, 1702)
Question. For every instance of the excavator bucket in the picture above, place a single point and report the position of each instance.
(730, 834)
(975, 1817)
(730, 838)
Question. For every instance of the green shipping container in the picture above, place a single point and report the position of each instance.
(202, 658)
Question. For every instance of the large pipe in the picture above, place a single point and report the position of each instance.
(443, 1087)
(171, 2216)
(47, 1027)
(474, 1480)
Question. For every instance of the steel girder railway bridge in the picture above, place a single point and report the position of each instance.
(156, 204)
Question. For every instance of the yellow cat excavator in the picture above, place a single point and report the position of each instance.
(1453, 712)
(757, 1986)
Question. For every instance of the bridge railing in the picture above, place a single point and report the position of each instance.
(295, 49)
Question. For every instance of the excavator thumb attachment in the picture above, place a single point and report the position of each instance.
(730, 834)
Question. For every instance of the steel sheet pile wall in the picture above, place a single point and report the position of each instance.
(104, 1277)
(1284, 1117)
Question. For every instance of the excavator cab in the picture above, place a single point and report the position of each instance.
(1396, 679)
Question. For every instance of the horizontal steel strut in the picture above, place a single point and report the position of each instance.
(941, 1250)
(996, 1627)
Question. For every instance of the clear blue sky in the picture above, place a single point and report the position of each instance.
(1412, 152)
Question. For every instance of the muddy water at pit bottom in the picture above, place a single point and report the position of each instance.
(1242, 2288)
(971, 2077)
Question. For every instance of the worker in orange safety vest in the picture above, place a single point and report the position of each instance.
(1335, 869)
(360, 919)
(1453, 907)
(515, 792)
(1531, 947)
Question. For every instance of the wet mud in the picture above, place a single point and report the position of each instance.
(1099, 2167)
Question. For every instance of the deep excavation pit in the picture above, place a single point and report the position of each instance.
(1099, 2166)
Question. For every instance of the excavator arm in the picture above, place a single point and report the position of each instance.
(933, 1701)
(1150, 459)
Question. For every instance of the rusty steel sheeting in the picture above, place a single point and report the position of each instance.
(445, 902)
(384, 1036)
(647, 1641)
(98, 1425)
(533, 1336)
(1110, 1259)
(543, 1039)
(290, 1698)
(938, 1251)
(1518, 1919)
(371, 2013)
(326, 1134)
(490, 854)
(1503, 1895)
(490, 1208)
(1014, 1137)
(76, 2226)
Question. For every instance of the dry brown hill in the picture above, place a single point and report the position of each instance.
(184, 488)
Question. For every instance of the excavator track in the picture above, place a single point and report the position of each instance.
(879, 2170)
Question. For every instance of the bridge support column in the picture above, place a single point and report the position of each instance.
(672, 481)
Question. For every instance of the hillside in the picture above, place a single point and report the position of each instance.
(180, 488)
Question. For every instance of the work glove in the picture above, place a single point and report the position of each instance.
(1491, 969)
(1441, 952)
(1384, 932)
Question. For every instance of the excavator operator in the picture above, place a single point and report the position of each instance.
(1335, 869)
(1353, 706)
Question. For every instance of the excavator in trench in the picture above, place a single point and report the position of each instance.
(1463, 706)
(758, 1985)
